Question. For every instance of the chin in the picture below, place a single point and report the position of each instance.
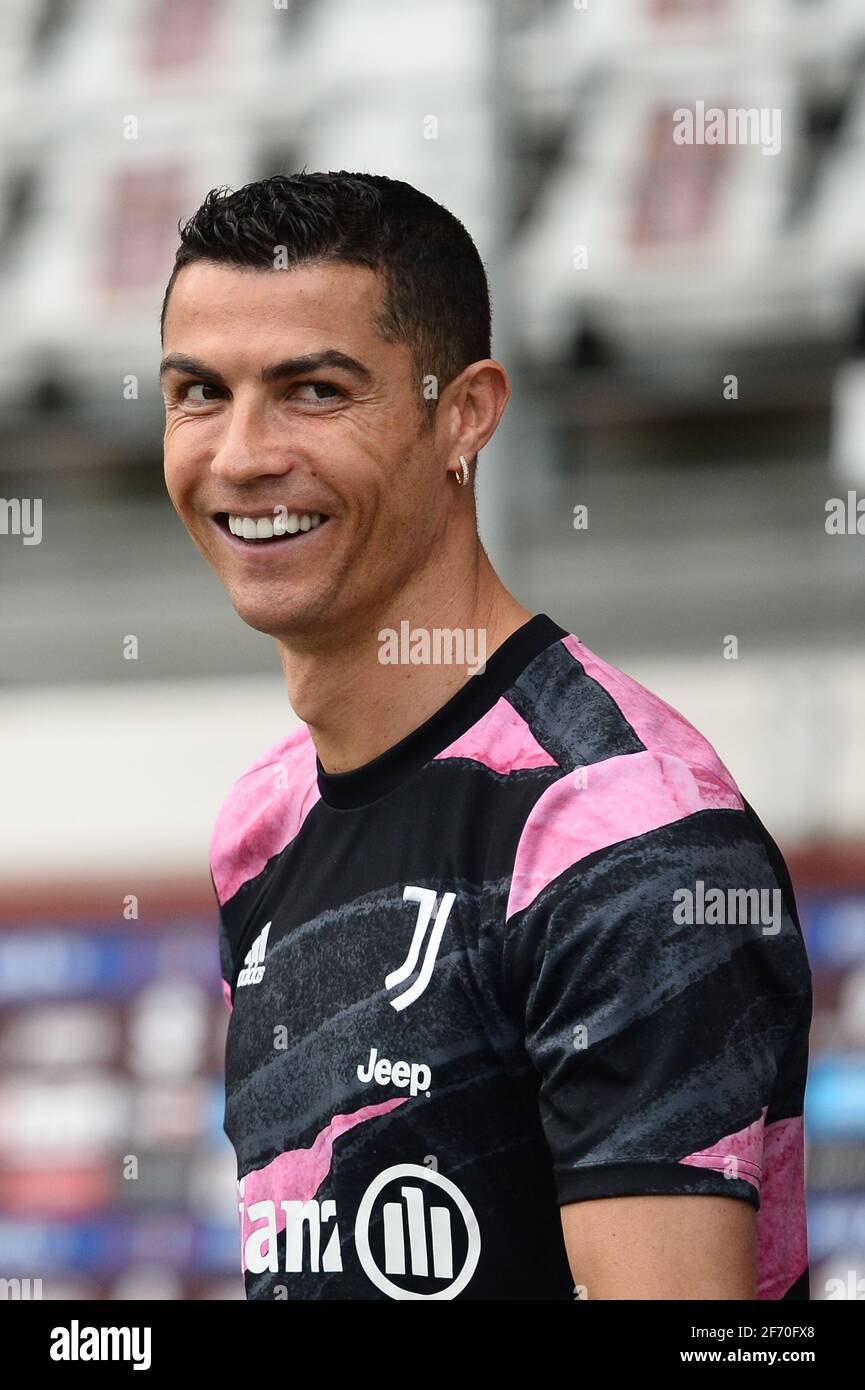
(261, 619)
(272, 618)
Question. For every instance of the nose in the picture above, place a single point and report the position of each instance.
(251, 445)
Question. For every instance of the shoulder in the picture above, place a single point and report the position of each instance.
(263, 811)
(657, 725)
(631, 764)
(591, 711)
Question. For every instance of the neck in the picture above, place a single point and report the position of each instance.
(357, 705)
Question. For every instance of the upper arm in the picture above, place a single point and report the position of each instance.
(668, 1044)
(226, 963)
(661, 1247)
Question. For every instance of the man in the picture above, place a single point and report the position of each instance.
(520, 1003)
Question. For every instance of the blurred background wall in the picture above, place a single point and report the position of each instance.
(684, 324)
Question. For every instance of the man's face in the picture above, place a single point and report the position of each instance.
(250, 435)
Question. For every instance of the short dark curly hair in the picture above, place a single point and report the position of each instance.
(435, 295)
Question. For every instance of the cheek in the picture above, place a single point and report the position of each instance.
(179, 485)
(173, 471)
(181, 461)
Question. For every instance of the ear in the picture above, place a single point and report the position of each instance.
(476, 401)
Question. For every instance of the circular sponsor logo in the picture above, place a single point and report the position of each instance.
(418, 1235)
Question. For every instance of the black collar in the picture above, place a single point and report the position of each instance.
(363, 785)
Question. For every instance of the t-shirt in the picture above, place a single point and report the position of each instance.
(539, 951)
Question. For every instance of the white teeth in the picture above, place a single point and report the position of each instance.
(263, 529)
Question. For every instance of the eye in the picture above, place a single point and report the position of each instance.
(187, 396)
(327, 386)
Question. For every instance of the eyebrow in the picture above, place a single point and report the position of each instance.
(279, 371)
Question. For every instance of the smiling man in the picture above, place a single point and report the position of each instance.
(482, 1043)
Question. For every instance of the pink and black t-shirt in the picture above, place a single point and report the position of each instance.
(539, 951)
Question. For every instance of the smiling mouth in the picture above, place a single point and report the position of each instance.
(265, 530)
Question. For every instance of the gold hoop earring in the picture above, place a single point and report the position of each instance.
(462, 475)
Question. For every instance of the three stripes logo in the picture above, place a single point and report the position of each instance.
(253, 969)
(426, 899)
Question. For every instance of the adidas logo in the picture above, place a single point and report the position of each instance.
(253, 970)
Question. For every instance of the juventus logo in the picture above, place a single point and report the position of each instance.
(426, 899)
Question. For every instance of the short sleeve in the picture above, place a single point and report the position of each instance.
(226, 963)
(662, 986)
